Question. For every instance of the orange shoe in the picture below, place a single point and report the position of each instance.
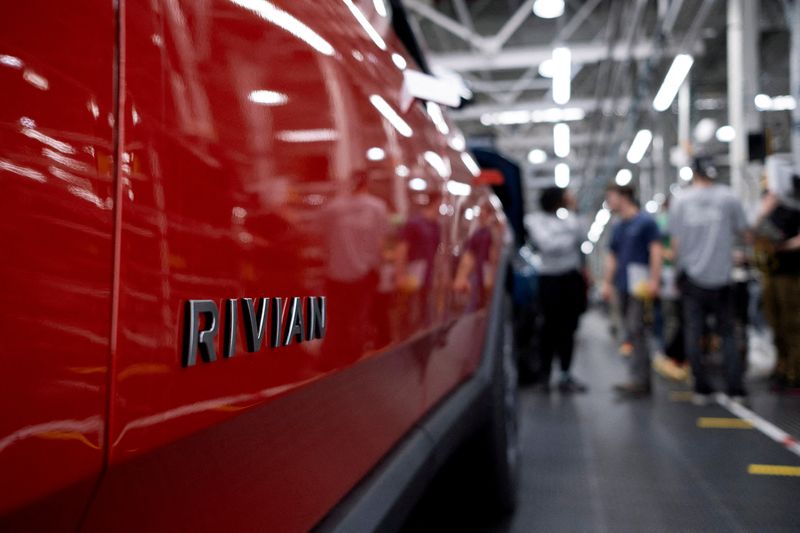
(626, 349)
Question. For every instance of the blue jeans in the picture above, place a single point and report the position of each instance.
(698, 304)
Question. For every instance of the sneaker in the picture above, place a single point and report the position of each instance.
(666, 367)
(700, 399)
(703, 395)
(570, 385)
(632, 390)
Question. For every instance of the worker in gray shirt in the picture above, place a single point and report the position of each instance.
(557, 232)
(705, 222)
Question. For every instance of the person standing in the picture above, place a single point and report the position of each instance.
(780, 218)
(670, 362)
(557, 233)
(633, 269)
(706, 221)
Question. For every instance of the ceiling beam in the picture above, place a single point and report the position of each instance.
(541, 141)
(589, 105)
(447, 23)
(528, 56)
(495, 86)
(519, 17)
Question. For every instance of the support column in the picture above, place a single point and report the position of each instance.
(743, 41)
(685, 117)
(794, 79)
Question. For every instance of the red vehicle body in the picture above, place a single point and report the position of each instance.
(153, 153)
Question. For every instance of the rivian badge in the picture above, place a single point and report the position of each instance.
(290, 320)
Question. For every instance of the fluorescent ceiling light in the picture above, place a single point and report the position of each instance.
(506, 117)
(10, 61)
(308, 136)
(562, 76)
(265, 97)
(603, 216)
(775, 103)
(686, 173)
(441, 166)
(365, 23)
(639, 146)
(672, 81)
(763, 102)
(546, 68)
(624, 177)
(562, 175)
(399, 61)
(375, 154)
(558, 114)
(284, 20)
(40, 82)
(456, 188)
(435, 112)
(704, 130)
(457, 141)
(783, 103)
(417, 184)
(522, 116)
(380, 7)
(391, 115)
(537, 157)
(561, 140)
(548, 9)
(470, 163)
(726, 134)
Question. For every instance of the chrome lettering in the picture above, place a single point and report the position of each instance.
(294, 326)
(194, 337)
(231, 314)
(315, 317)
(255, 323)
(305, 320)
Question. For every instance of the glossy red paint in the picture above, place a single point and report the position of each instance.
(55, 228)
(267, 150)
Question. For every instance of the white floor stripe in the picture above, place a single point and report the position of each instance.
(764, 426)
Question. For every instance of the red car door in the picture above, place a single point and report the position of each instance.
(56, 275)
(267, 151)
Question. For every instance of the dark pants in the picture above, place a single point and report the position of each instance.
(637, 317)
(562, 300)
(699, 303)
(674, 342)
(782, 307)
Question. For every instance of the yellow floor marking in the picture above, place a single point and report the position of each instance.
(773, 470)
(681, 396)
(723, 423)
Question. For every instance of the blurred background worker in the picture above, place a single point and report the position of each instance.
(557, 232)
(778, 233)
(633, 268)
(670, 361)
(705, 222)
